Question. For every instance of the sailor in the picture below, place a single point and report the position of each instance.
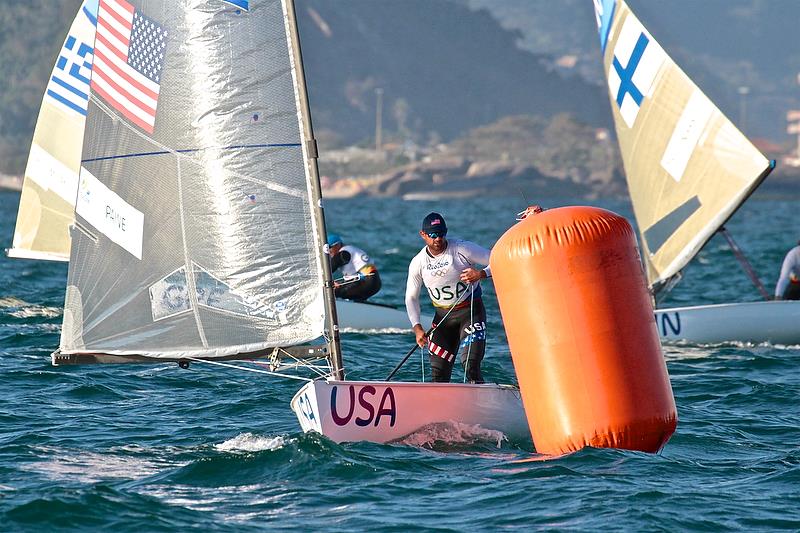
(788, 286)
(447, 269)
(360, 278)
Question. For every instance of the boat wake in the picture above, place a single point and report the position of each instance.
(22, 309)
(93, 467)
(247, 442)
(447, 434)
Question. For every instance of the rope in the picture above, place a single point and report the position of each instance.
(246, 369)
(452, 308)
(471, 323)
(297, 364)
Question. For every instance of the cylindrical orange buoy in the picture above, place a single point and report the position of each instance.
(580, 326)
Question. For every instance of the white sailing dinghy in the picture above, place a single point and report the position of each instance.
(47, 202)
(688, 170)
(198, 155)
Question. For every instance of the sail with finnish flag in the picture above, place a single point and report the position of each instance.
(687, 166)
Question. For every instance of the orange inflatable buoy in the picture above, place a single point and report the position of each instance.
(580, 326)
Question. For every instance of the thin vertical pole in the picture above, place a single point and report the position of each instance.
(378, 119)
(334, 344)
(748, 268)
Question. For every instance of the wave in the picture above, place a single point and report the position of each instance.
(93, 467)
(21, 309)
(248, 442)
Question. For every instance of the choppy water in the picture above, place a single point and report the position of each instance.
(156, 448)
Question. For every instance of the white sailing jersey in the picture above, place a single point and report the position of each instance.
(790, 269)
(441, 275)
(358, 260)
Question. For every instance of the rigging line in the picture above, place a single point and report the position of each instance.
(745, 264)
(458, 301)
(192, 151)
(471, 324)
(422, 363)
(246, 369)
(295, 366)
(166, 149)
(321, 371)
(299, 363)
(524, 198)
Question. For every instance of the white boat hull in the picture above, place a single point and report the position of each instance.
(776, 322)
(381, 411)
(365, 316)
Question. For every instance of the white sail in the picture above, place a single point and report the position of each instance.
(48, 194)
(194, 233)
(688, 168)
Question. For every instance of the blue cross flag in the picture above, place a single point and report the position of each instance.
(634, 67)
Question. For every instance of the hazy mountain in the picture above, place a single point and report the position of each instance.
(443, 69)
(447, 66)
(721, 44)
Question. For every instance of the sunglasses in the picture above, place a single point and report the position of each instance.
(436, 234)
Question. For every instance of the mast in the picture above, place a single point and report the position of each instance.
(316, 191)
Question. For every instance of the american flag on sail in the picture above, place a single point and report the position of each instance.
(128, 57)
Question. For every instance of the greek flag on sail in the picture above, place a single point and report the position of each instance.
(632, 75)
(69, 84)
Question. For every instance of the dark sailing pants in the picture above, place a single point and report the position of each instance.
(792, 291)
(359, 290)
(463, 330)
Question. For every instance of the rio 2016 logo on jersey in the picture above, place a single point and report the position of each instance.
(438, 265)
(372, 410)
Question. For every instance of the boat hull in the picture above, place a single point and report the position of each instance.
(365, 316)
(776, 322)
(381, 411)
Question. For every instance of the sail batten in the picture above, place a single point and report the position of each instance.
(205, 237)
(687, 166)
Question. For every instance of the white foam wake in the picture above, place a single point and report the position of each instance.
(22, 309)
(452, 433)
(91, 467)
(247, 442)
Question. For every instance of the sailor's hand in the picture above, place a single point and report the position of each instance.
(471, 275)
(422, 339)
